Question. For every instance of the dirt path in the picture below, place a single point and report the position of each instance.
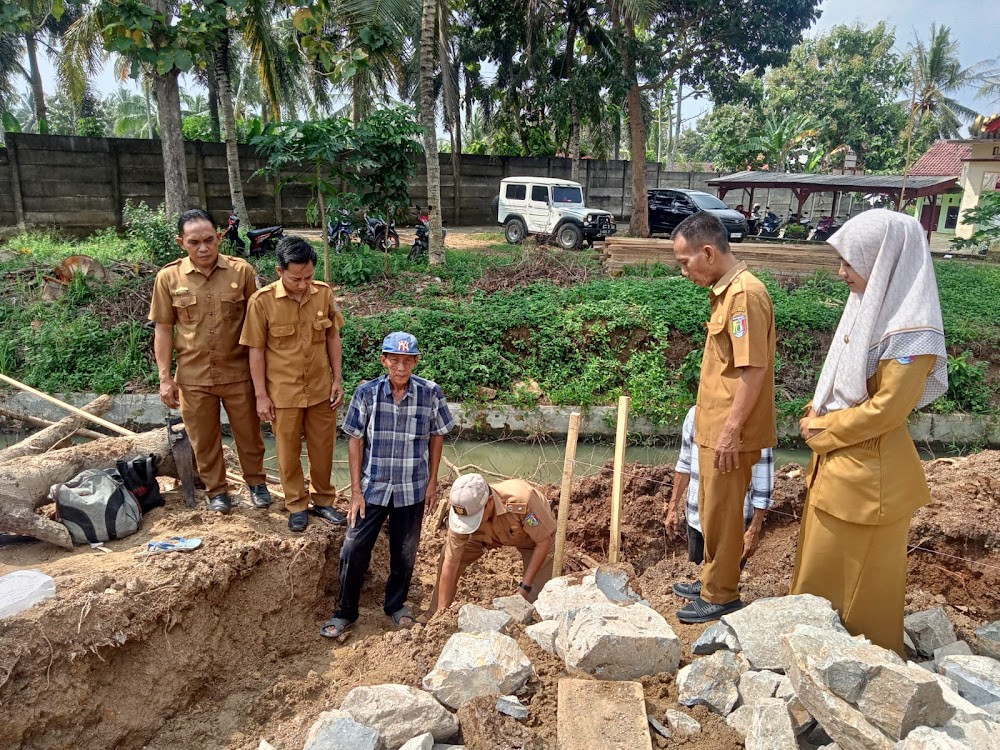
(217, 648)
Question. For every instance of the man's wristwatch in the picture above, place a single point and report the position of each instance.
(525, 587)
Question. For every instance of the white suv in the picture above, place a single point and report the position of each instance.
(550, 208)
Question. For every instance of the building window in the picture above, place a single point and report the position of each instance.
(951, 218)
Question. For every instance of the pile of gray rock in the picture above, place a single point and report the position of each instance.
(782, 672)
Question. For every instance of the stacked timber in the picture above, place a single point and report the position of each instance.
(619, 252)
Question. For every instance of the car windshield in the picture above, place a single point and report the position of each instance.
(564, 194)
(706, 202)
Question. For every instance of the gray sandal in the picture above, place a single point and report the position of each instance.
(335, 627)
(401, 614)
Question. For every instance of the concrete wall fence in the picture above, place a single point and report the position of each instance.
(80, 185)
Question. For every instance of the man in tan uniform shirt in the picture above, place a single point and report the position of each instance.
(735, 419)
(512, 513)
(293, 331)
(203, 298)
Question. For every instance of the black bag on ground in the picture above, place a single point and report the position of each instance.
(139, 476)
(95, 506)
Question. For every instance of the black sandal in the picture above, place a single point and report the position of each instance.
(701, 611)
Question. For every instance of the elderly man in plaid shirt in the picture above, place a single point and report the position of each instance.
(396, 425)
(758, 501)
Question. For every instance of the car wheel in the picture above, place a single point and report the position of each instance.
(569, 237)
(515, 231)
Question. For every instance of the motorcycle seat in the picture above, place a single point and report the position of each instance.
(373, 221)
(255, 233)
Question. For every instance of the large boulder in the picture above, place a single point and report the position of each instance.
(716, 637)
(474, 664)
(567, 594)
(614, 642)
(680, 724)
(759, 626)
(770, 727)
(929, 630)
(476, 619)
(399, 713)
(710, 681)
(544, 634)
(977, 677)
(519, 608)
(755, 686)
(988, 640)
(423, 742)
(864, 696)
(977, 735)
(338, 730)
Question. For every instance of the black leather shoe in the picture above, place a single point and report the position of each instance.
(698, 610)
(298, 521)
(220, 504)
(330, 515)
(689, 591)
(260, 496)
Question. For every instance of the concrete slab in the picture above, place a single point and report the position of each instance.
(602, 714)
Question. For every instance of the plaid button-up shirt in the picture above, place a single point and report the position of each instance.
(761, 485)
(397, 438)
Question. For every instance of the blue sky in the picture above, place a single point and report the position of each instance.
(974, 23)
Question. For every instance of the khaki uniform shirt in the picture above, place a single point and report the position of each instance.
(740, 334)
(207, 313)
(865, 469)
(522, 518)
(293, 337)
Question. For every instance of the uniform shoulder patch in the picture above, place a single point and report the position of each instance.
(904, 360)
(739, 325)
(531, 519)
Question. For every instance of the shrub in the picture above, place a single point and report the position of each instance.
(154, 229)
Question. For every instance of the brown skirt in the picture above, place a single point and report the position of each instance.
(860, 569)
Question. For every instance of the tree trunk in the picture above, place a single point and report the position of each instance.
(638, 225)
(44, 440)
(454, 113)
(428, 120)
(229, 129)
(150, 128)
(677, 124)
(25, 482)
(168, 102)
(213, 103)
(574, 111)
(37, 91)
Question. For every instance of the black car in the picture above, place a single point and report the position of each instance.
(668, 208)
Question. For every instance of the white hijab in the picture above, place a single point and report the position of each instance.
(897, 316)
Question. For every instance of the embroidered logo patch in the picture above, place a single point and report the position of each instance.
(459, 511)
(739, 326)
(531, 519)
(402, 345)
(904, 360)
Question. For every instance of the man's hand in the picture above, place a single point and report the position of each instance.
(265, 408)
(727, 450)
(336, 394)
(751, 540)
(673, 520)
(357, 507)
(431, 496)
(169, 394)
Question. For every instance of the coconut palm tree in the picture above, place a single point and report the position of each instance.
(133, 114)
(428, 117)
(938, 75)
(783, 140)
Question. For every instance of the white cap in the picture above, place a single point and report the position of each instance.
(469, 495)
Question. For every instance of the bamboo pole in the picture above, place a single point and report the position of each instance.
(621, 439)
(43, 423)
(564, 494)
(230, 475)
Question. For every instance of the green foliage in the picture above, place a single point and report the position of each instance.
(152, 230)
(968, 390)
(796, 232)
(985, 218)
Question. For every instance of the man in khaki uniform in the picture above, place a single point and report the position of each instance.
(735, 416)
(293, 331)
(203, 297)
(512, 513)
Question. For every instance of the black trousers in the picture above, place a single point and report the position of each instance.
(696, 547)
(356, 555)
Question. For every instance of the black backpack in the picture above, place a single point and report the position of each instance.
(139, 477)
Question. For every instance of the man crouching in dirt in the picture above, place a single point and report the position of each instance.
(512, 513)
(396, 424)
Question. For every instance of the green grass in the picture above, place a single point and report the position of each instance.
(45, 248)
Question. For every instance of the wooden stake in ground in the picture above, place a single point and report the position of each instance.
(42, 441)
(564, 494)
(621, 440)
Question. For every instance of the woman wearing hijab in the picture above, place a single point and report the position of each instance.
(865, 479)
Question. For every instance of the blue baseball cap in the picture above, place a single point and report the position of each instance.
(400, 342)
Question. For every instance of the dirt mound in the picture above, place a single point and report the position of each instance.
(219, 647)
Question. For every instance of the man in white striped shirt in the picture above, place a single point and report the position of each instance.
(758, 501)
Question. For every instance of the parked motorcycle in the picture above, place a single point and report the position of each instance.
(262, 241)
(421, 242)
(770, 226)
(824, 228)
(378, 235)
(338, 233)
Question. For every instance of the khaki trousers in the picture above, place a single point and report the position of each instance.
(474, 551)
(319, 422)
(720, 506)
(861, 570)
(202, 419)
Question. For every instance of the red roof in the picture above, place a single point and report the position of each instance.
(943, 159)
